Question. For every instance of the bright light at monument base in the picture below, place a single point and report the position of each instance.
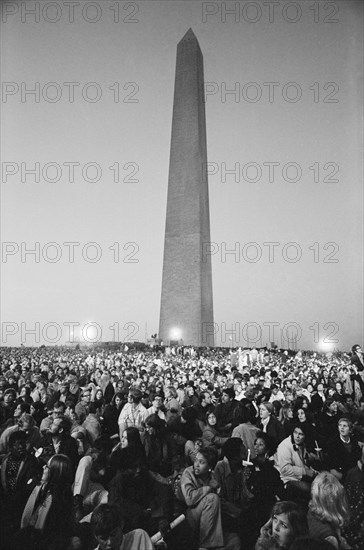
(176, 333)
(326, 347)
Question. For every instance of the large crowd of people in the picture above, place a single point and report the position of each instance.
(140, 448)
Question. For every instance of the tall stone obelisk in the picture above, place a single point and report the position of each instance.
(186, 304)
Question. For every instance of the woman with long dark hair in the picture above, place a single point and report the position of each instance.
(128, 453)
(269, 424)
(47, 515)
(210, 435)
(111, 414)
(303, 417)
(157, 448)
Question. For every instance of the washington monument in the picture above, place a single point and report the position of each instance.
(186, 313)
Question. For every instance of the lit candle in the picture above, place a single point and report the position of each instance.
(248, 455)
(317, 447)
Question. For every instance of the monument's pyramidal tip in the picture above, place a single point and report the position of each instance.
(190, 35)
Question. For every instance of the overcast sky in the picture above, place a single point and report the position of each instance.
(98, 124)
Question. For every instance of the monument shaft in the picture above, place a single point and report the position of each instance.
(186, 304)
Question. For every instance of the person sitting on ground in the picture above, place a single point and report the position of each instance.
(235, 496)
(59, 441)
(287, 522)
(83, 405)
(20, 472)
(111, 414)
(269, 424)
(288, 422)
(354, 487)
(156, 408)
(328, 419)
(203, 408)
(133, 413)
(210, 435)
(244, 428)
(20, 408)
(147, 502)
(200, 491)
(328, 510)
(263, 481)
(91, 479)
(56, 411)
(292, 461)
(128, 453)
(47, 515)
(224, 412)
(25, 423)
(107, 525)
(157, 447)
(343, 451)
